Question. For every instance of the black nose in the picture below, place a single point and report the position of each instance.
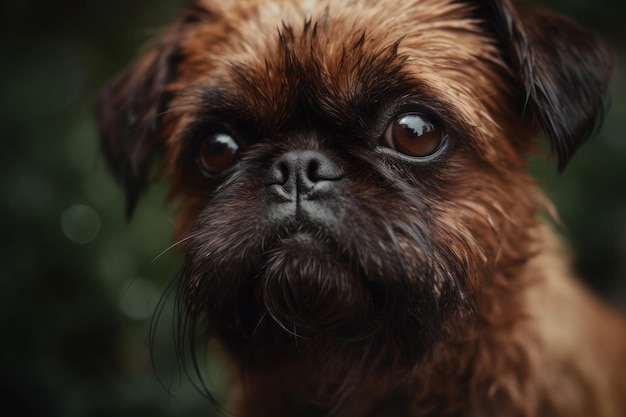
(303, 174)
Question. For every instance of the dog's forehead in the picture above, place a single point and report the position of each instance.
(341, 57)
(432, 28)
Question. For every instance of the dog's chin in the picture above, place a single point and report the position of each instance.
(307, 287)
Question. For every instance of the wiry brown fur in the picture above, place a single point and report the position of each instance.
(431, 289)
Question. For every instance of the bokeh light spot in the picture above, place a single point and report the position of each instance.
(80, 223)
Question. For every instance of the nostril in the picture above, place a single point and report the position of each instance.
(279, 173)
(285, 172)
(312, 170)
(319, 167)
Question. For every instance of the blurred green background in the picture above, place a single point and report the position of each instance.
(79, 284)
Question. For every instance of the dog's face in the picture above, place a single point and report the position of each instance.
(352, 172)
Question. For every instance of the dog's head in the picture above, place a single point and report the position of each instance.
(352, 172)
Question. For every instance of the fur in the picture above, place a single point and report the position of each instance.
(411, 287)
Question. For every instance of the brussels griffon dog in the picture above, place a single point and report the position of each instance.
(360, 231)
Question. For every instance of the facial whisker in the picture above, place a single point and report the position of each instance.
(172, 246)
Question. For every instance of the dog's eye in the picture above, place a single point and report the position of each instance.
(414, 135)
(218, 153)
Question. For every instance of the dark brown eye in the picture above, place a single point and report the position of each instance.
(218, 153)
(414, 135)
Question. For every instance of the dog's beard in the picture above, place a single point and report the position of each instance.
(306, 286)
(348, 269)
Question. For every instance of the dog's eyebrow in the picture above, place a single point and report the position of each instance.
(211, 103)
(215, 99)
(259, 112)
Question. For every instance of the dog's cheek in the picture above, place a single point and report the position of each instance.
(483, 229)
(224, 235)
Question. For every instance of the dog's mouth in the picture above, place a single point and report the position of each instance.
(301, 242)
(303, 234)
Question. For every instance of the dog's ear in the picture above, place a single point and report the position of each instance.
(563, 68)
(130, 108)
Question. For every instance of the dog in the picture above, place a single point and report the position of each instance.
(359, 229)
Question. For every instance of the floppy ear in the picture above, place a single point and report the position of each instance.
(564, 70)
(129, 109)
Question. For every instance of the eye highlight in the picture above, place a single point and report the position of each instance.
(217, 153)
(413, 134)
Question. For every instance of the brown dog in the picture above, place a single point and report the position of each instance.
(361, 234)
